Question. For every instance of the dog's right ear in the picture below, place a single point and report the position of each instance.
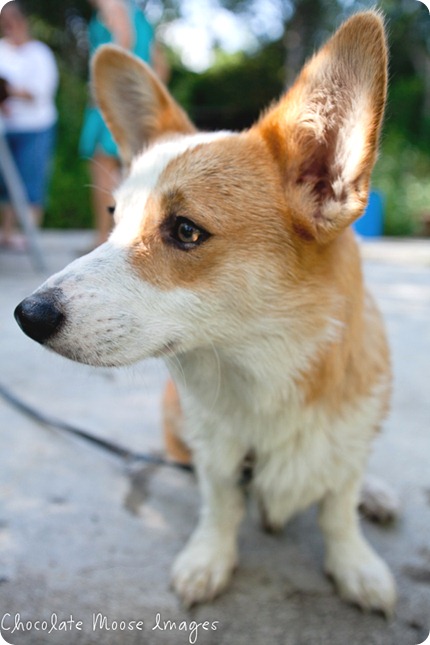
(136, 106)
(324, 132)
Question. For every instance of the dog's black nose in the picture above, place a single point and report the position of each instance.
(39, 316)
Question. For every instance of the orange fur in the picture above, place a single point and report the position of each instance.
(175, 446)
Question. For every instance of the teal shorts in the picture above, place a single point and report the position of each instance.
(95, 136)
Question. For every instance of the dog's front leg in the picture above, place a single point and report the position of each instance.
(359, 573)
(203, 569)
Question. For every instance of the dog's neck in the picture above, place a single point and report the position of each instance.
(260, 371)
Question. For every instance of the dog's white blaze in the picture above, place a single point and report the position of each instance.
(145, 172)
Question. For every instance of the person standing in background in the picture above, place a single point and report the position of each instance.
(123, 23)
(29, 77)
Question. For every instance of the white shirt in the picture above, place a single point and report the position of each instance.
(29, 67)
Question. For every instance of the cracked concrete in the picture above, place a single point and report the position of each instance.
(86, 538)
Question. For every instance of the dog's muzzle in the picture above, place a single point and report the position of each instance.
(40, 316)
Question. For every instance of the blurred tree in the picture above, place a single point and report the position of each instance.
(55, 12)
(305, 25)
(233, 92)
(237, 87)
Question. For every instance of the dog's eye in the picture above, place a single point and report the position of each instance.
(186, 234)
(111, 210)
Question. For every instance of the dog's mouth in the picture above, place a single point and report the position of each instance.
(42, 318)
(104, 355)
(106, 352)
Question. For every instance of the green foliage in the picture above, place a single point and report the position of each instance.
(55, 12)
(405, 103)
(232, 93)
(402, 174)
(69, 200)
(403, 169)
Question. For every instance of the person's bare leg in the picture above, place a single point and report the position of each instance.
(10, 235)
(105, 174)
(37, 214)
(8, 224)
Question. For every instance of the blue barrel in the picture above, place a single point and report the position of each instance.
(371, 223)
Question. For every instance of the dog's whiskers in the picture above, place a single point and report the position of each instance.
(102, 190)
(218, 368)
(114, 176)
(173, 358)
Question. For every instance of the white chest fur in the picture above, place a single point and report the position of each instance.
(301, 451)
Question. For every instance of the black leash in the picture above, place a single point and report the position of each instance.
(109, 446)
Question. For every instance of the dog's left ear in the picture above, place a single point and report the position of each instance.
(136, 106)
(324, 133)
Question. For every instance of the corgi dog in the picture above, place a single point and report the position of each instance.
(233, 259)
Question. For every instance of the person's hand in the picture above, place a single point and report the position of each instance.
(17, 93)
(4, 90)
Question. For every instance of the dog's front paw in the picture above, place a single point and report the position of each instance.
(202, 570)
(362, 578)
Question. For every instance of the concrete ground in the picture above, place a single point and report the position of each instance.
(86, 537)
